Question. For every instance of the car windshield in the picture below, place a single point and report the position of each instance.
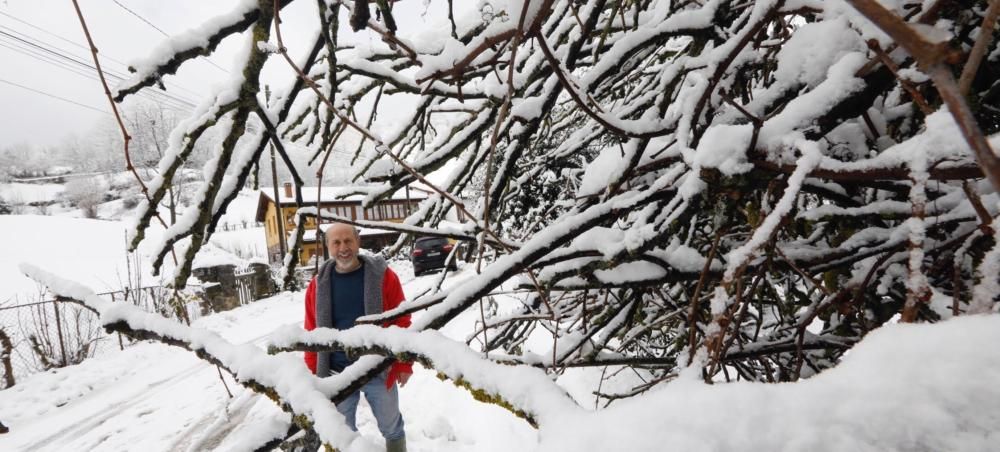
(431, 242)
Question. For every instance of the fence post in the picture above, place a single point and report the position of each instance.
(6, 351)
(121, 345)
(62, 346)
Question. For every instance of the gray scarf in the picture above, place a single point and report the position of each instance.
(374, 273)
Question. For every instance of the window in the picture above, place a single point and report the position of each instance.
(430, 242)
(375, 213)
(340, 211)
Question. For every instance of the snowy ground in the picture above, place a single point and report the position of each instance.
(152, 397)
(906, 387)
(93, 252)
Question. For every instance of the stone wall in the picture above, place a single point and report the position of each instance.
(221, 289)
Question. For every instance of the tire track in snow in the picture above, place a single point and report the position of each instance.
(101, 414)
(208, 437)
(206, 434)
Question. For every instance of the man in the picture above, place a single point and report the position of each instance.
(348, 286)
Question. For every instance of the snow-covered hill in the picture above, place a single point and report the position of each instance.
(93, 252)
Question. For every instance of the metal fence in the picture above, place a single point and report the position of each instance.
(48, 334)
(225, 227)
(246, 285)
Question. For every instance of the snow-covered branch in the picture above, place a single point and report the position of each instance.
(673, 178)
(524, 390)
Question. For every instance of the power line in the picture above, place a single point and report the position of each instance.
(169, 103)
(61, 60)
(90, 75)
(140, 18)
(57, 54)
(33, 42)
(77, 44)
(35, 39)
(49, 48)
(40, 50)
(44, 58)
(53, 96)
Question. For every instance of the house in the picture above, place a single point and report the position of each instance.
(394, 209)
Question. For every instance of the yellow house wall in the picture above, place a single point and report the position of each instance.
(270, 227)
(308, 249)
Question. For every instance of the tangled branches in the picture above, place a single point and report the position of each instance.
(745, 187)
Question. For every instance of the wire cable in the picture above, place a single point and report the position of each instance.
(89, 75)
(151, 95)
(77, 44)
(38, 41)
(53, 96)
(42, 53)
(140, 17)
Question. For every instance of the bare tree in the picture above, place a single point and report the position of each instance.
(151, 126)
(743, 187)
(20, 160)
(86, 193)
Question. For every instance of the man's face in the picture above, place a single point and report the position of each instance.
(343, 245)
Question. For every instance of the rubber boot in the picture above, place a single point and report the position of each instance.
(396, 445)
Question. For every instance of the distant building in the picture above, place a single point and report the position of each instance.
(395, 209)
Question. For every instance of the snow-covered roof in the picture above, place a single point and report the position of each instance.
(335, 194)
(213, 256)
(331, 194)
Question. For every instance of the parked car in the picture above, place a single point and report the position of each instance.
(430, 253)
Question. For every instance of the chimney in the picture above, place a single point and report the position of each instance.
(288, 189)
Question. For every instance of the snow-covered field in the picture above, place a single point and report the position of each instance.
(93, 252)
(90, 251)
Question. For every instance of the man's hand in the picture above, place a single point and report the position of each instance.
(403, 377)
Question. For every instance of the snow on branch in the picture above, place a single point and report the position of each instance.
(526, 391)
(203, 40)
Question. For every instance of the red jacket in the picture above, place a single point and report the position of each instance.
(392, 296)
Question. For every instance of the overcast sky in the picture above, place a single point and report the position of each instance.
(39, 39)
(46, 97)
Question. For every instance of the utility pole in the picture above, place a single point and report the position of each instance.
(277, 204)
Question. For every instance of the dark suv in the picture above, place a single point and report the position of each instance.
(430, 253)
